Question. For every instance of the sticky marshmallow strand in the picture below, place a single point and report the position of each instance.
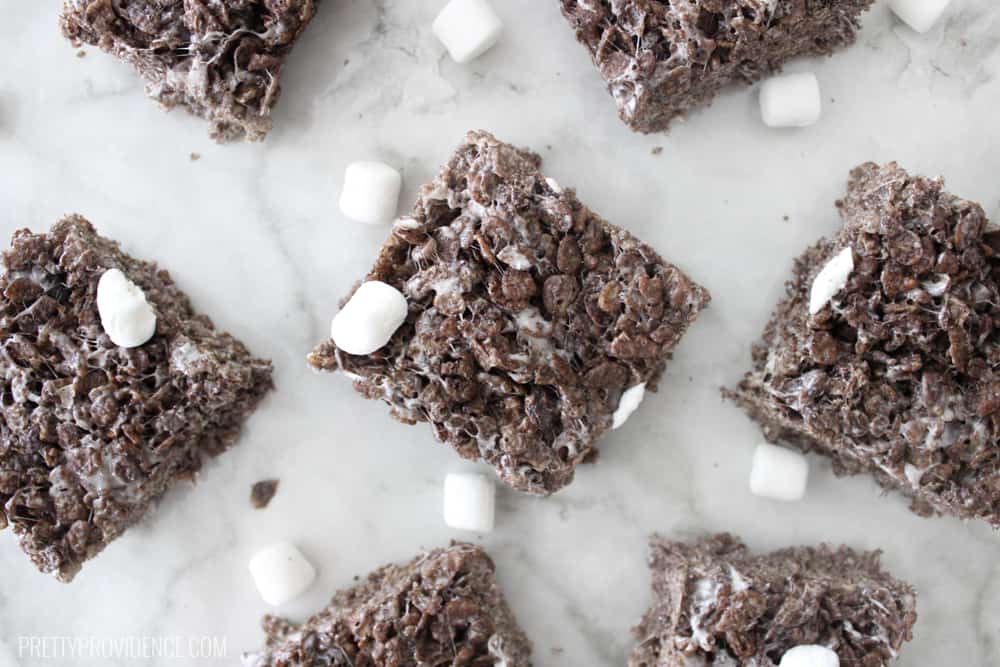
(467, 28)
(281, 573)
(778, 473)
(126, 315)
(469, 502)
(791, 100)
(369, 319)
(371, 192)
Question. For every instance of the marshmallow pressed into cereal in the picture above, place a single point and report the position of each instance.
(126, 315)
(368, 320)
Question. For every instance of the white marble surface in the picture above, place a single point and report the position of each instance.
(253, 233)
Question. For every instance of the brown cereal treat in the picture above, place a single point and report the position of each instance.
(896, 376)
(221, 59)
(529, 316)
(660, 59)
(92, 434)
(716, 604)
(441, 608)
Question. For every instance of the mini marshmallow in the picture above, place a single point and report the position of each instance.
(790, 100)
(467, 28)
(281, 573)
(628, 403)
(371, 192)
(469, 502)
(778, 473)
(126, 315)
(831, 279)
(920, 15)
(810, 655)
(368, 320)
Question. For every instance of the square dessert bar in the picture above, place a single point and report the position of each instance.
(220, 59)
(442, 608)
(660, 59)
(716, 604)
(91, 434)
(529, 317)
(896, 373)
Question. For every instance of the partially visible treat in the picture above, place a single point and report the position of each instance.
(94, 432)
(791, 100)
(371, 192)
(220, 60)
(662, 59)
(529, 321)
(921, 15)
(469, 502)
(717, 604)
(262, 492)
(884, 352)
(281, 573)
(467, 28)
(442, 608)
(778, 473)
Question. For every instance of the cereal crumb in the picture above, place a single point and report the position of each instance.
(262, 492)
(195, 157)
(656, 150)
(81, 54)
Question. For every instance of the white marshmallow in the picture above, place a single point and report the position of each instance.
(469, 502)
(628, 403)
(281, 573)
(920, 15)
(810, 655)
(368, 320)
(790, 100)
(125, 313)
(371, 192)
(831, 279)
(778, 473)
(467, 28)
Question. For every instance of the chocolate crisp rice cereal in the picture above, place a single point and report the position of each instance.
(529, 318)
(897, 374)
(441, 608)
(91, 434)
(718, 605)
(661, 58)
(221, 59)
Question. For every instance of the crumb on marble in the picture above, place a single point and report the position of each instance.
(262, 492)
(81, 54)
(195, 157)
(657, 150)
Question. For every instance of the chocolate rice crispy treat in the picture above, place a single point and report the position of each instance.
(529, 315)
(221, 59)
(716, 604)
(898, 375)
(660, 59)
(92, 434)
(441, 608)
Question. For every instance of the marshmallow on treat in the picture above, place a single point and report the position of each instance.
(920, 15)
(628, 403)
(831, 279)
(790, 100)
(371, 192)
(281, 573)
(368, 320)
(810, 655)
(778, 473)
(125, 313)
(467, 28)
(469, 502)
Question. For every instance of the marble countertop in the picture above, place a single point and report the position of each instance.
(253, 233)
